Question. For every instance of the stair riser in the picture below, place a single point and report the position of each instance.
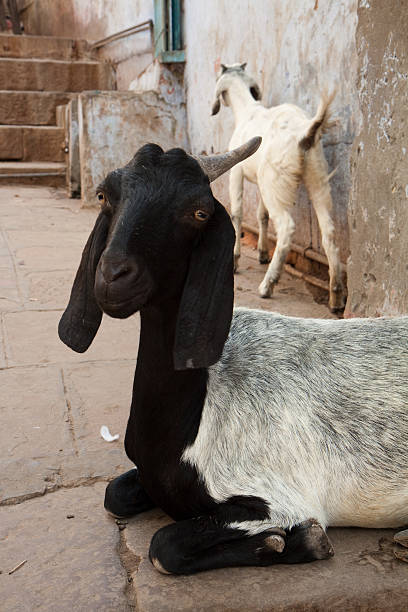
(48, 181)
(32, 144)
(43, 47)
(23, 75)
(30, 108)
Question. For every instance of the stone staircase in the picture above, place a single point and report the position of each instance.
(38, 74)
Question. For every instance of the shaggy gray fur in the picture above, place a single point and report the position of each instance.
(312, 416)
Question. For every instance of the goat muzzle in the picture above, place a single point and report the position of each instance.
(122, 286)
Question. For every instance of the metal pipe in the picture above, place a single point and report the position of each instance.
(144, 25)
(317, 282)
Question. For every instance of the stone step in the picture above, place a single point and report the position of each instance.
(32, 173)
(31, 107)
(30, 143)
(43, 47)
(54, 75)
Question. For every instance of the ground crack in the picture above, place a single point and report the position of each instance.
(130, 563)
(82, 482)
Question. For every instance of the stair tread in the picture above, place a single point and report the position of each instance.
(23, 166)
(41, 60)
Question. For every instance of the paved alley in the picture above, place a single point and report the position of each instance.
(55, 464)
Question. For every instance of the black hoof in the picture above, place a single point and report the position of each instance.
(125, 496)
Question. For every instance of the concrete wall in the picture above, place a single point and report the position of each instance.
(294, 48)
(378, 213)
(93, 20)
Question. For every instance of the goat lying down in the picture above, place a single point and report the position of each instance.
(290, 152)
(254, 431)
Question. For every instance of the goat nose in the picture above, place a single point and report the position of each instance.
(113, 269)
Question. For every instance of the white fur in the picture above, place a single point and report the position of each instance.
(277, 168)
(312, 417)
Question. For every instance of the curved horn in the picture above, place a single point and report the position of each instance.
(215, 165)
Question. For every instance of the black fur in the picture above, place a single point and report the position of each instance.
(150, 252)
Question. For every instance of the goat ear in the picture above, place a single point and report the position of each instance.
(82, 317)
(243, 66)
(205, 310)
(224, 68)
(255, 91)
(216, 106)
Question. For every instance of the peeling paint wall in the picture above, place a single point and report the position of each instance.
(294, 49)
(93, 20)
(378, 212)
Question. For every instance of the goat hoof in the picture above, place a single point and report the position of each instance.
(401, 537)
(264, 257)
(315, 539)
(266, 290)
(125, 497)
(236, 260)
(337, 301)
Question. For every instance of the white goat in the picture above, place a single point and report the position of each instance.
(291, 151)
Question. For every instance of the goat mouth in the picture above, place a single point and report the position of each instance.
(123, 309)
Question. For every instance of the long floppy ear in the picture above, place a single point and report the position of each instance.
(82, 317)
(205, 310)
(216, 105)
(255, 91)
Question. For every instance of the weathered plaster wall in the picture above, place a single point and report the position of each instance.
(378, 213)
(114, 125)
(93, 20)
(294, 48)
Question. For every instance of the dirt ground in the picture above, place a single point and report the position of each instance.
(55, 464)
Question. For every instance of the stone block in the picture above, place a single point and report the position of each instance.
(30, 107)
(34, 429)
(362, 575)
(43, 47)
(11, 143)
(114, 125)
(44, 143)
(48, 75)
(70, 547)
(32, 338)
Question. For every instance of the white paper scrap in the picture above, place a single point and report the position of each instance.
(106, 434)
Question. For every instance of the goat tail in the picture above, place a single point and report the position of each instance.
(320, 122)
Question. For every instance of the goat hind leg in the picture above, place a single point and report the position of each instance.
(285, 226)
(263, 246)
(236, 188)
(317, 184)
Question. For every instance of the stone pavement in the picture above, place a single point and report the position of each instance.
(54, 465)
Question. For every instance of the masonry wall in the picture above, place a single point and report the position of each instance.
(294, 48)
(378, 213)
(93, 20)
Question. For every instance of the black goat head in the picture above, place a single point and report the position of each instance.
(160, 235)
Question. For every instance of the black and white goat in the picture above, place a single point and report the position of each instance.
(254, 431)
(290, 152)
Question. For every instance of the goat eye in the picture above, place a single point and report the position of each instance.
(101, 198)
(201, 215)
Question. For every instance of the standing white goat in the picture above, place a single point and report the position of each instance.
(291, 151)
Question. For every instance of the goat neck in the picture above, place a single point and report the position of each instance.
(239, 98)
(165, 412)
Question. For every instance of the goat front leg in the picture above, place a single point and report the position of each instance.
(209, 542)
(236, 186)
(125, 496)
(284, 226)
(263, 245)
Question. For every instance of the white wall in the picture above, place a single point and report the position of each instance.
(294, 48)
(93, 20)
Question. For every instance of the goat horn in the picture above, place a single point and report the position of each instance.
(215, 165)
